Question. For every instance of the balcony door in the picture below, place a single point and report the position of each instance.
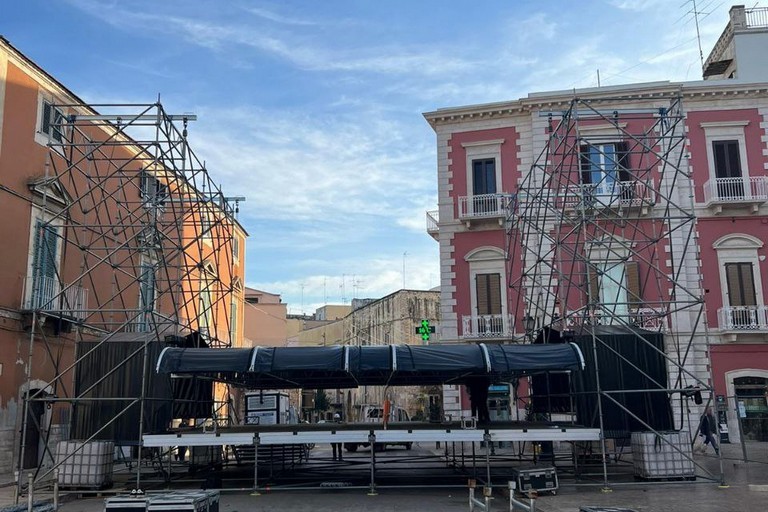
(742, 296)
(44, 266)
(488, 293)
(483, 183)
(730, 183)
(603, 170)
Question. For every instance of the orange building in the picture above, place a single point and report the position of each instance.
(115, 243)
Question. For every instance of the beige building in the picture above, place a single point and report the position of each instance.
(265, 319)
(390, 320)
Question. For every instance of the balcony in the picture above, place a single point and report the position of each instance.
(625, 195)
(487, 326)
(743, 318)
(433, 218)
(482, 207)
(48, 295)
(721, 193)
(651, 319)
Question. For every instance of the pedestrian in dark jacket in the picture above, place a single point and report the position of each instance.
(708, 429)
(478, 398)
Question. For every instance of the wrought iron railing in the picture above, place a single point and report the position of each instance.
(48, 295)
(487, 326)
(754, 188)
(483, 206)
(743, 318)
(432, 221)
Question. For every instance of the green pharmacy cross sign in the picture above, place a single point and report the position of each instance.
(425, 329)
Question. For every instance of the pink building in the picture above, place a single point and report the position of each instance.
(642, 205)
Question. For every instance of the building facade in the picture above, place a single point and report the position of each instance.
(104, 242)
(655, 214)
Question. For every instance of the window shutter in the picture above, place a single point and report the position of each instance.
(481, 290)
(593, 276)
(632, 270)
(494, 285)
(45, 124)
(233, 322)
(488, 293)
(741, 284)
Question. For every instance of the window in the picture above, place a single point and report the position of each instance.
(204, 314)
(742, 296)
(740, 282)
(233, 323)
(151, 190)
(235, 248)
(483, 183)
(727, 159)
(45, 261)
(205, 227)
(604, 170)
(616, 286)
(147, 295)
(488, 293)
(488, 300)
(484, 167)
(51, 121)
(730, 184)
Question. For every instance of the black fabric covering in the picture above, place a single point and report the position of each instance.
(617, 347)
(550, 392)
(166, 398)
(124, 383)
(346, 367)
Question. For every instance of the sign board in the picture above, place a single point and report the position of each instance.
(424, 330)
(742, 409)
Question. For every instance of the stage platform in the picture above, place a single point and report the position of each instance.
(316, 433)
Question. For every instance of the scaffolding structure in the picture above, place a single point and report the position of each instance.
(134, 245)
(603, 233)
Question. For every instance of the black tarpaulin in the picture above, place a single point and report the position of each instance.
(347, 366)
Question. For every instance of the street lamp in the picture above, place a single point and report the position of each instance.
(530, 324)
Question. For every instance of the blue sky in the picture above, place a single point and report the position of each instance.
(312, 109)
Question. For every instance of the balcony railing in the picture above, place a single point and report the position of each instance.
(483, 206)
(432, 221)
(487, 326)
(652, 319)
(743, 318)
(624, 194)
(45, 294)
(757, 17)
(728, 190)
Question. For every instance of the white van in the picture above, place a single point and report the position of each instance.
(367, 413)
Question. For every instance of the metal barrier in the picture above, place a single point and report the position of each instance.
(483, 505)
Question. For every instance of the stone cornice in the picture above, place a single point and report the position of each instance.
(624, 93)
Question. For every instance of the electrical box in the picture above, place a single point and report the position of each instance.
(266, 408)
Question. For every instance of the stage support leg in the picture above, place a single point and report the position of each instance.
(372, 441)
(474, 461)
(487, 439)
(255, 466)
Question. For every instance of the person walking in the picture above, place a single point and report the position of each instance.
(708, 429)
(336, 447)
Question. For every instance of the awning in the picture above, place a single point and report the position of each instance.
(351, 366)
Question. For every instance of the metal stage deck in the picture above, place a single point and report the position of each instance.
(303, 433)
